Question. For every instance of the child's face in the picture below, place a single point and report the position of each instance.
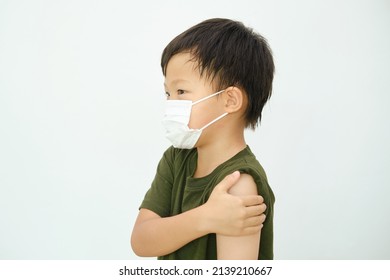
(183, 82)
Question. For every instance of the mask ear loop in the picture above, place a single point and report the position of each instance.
(207, 97)
(217, 119)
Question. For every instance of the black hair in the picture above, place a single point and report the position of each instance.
(231, 54)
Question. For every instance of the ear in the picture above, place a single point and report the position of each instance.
(233, 99)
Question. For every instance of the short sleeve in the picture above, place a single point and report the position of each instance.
(158, 197)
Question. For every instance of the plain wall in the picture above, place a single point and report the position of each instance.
(81, 96)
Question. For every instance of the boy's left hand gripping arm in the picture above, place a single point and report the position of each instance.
(240, 247)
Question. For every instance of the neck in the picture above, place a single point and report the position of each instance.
(217, 152)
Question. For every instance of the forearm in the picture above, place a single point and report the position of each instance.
(156, 236)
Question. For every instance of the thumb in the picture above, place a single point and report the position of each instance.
(228, 181)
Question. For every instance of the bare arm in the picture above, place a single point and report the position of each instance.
(223, 213)
(240, 247)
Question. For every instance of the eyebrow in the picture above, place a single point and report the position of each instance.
(176, 81)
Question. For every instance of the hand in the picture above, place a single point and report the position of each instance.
(231, 215)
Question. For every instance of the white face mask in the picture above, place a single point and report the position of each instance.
(176, 119)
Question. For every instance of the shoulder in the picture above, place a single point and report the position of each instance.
(244, 186)
(245, 162)
(253, 179)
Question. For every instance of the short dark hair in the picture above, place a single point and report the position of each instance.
(231, 54)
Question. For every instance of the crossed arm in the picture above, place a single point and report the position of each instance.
(236, 218)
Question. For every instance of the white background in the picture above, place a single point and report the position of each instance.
(81, 101)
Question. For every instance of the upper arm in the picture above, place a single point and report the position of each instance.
(240, 247)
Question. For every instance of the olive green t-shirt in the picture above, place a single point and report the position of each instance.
(174, 191)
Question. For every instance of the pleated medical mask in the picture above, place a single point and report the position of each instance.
(176, 119)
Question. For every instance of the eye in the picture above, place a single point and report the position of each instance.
(167, 94)
(180, 91)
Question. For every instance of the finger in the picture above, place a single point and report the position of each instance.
(256, 210)
(250, 200)
(252, 230)
(254, 221)
(228, 181)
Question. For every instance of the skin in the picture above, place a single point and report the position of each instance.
(234, 210)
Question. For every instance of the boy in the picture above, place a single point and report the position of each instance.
(218, 76)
